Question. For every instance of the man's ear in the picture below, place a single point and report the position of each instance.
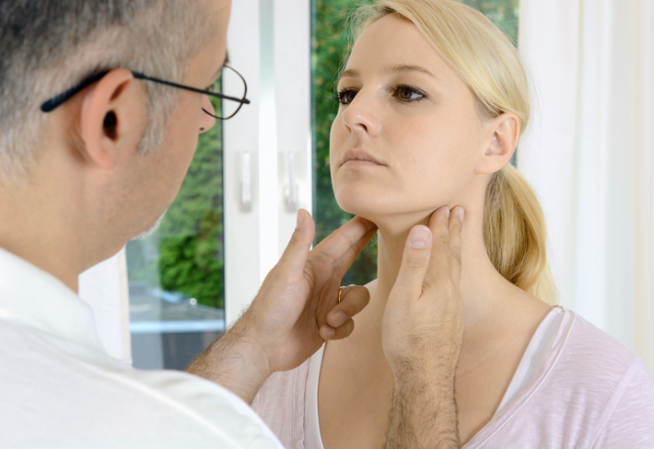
(110, 114)
(503, 132)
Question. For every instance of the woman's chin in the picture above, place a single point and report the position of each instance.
(394, 218)
(367, 210)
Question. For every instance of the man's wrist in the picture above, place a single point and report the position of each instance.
(236, 361)
(246, 345)
(424, 412)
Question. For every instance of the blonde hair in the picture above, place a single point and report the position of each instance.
(487, 61)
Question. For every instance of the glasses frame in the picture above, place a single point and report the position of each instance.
(58, 100)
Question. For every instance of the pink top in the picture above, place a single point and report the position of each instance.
(575, 387)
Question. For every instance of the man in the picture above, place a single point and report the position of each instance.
(84, 170)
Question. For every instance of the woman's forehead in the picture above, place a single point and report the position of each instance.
(395, 42)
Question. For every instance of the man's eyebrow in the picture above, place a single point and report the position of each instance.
(397, 68)
(222, 66)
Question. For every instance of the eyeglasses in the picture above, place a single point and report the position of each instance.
(228, 110)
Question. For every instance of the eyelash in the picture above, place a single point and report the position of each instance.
(339, 97)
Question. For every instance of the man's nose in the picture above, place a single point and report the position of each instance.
(207, 121)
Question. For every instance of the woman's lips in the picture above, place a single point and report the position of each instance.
(361, 163)
(360, 158)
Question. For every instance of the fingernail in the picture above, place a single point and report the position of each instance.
(419, 237)
(338, 318)
(300, 218)
(329, 332)
(462, 213)
(447, 211)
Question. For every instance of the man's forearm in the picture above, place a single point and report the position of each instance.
(424, 413)
(233, 361)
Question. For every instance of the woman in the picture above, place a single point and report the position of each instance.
(432, 102)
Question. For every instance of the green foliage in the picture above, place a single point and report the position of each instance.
(190, 247)
(503, 13)
(188, 264)
(331, 43)
(186, 251)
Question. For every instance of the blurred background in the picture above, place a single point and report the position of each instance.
(588, 154)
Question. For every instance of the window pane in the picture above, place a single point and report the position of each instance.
(330, 40)
(503, 13)
(176, 274)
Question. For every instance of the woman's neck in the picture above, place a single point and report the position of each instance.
(481, 285)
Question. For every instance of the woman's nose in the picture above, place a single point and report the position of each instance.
(207, 121)
(362, 115)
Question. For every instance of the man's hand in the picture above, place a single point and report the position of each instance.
(297, 307)
(422, 334)
(295, 311)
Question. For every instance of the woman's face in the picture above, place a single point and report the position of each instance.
(408, 135)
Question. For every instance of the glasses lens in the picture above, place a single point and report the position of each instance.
(216, 102)
(233, 86)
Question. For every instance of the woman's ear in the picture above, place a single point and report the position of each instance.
(110, 114)
(503, 134)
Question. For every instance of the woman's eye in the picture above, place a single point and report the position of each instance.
(346, 96)
(409, 94)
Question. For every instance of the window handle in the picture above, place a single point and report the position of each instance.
(292, 190)
(246, 182)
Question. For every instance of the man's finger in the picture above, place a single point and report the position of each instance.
(353, 300)
(439, 265)
(344, 244)
(346, 260)
(415, 260)
(329, 333)
(456, 224)
(296, 252)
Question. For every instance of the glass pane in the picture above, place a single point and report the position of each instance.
(176, 274)
(330, 47)
(503, 13)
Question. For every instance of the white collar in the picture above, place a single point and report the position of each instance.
(33, 297)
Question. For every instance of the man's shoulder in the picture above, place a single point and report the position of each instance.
(78, 394)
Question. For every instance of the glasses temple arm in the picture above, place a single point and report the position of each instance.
(57, 101)
(192, 89)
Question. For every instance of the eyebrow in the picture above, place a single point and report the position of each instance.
(397, 68)
(222, 66)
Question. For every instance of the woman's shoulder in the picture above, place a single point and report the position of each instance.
(590, 391)
(583, 344)
(594, 376)
(592, 364)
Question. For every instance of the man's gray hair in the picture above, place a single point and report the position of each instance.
(48, 46)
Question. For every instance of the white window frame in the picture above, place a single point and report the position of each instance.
(275, 132)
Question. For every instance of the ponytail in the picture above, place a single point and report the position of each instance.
(515, 235)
